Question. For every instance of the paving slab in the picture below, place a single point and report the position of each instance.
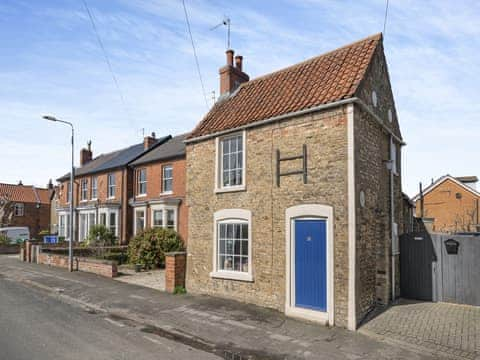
(445, 329)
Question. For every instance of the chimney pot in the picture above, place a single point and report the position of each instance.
(238, 62)
(153, 134)
(148, 141)
(229, 57)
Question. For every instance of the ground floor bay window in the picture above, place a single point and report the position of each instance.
(233, 245)
(164, 216)
(64, 225)
(139, 223)
(109, 217)
(86, 219)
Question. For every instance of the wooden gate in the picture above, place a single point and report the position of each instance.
(429, 272)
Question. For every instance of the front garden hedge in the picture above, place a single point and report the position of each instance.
(148, 248)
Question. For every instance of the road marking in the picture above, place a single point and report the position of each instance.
(133, 296)
(119, 324)
(158, 342)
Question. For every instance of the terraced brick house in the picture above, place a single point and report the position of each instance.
(158, 199)
(294, 187)
(25, 205)
(101, 191)
(450, 204)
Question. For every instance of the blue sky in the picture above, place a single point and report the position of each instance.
(51, 63)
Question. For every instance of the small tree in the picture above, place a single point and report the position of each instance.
(6, 210)
(149, 247)
(100, 235)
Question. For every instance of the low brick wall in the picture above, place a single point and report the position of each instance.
(175, 268)
(100, 267)
(9, 249)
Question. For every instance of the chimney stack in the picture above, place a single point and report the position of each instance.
(231, 76)
(86, 154)
(149, 141)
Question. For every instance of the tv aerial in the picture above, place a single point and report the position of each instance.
(225, 22)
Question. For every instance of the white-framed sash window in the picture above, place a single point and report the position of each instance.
(232, 257)
(141, 182)
(167, 179)
(19, 209)
(111, 185)
(84, 190)
(139, 219)
(94, 188)
(64, 225)
(230, 164)
(87, 219)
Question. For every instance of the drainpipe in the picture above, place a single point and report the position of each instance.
(392, 218)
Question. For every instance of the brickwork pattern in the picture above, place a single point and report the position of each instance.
(175, 267)
(447, 329)
(451, 212)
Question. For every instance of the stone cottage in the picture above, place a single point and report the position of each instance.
(294, 187)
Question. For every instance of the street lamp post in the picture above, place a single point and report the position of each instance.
(72, 175)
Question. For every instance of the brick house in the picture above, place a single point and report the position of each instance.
(25, 205)
(451, 204)
(294, 187)
(158, 197)
(101, 191)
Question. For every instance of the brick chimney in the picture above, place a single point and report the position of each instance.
(86, 154)
(231, 76)
(149, 141)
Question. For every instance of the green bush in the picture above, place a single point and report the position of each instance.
(149, 247)
(100, 235)
(4, 240)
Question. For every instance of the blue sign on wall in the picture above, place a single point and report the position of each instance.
(50, 239)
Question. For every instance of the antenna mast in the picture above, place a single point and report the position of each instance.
(226, 22)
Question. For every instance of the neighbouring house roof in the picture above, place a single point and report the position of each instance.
(115, 159)
(324, 79)
(24, 193)
(440, 181)
(173, 148)
(467, 179)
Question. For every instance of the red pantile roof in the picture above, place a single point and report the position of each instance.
(321, 80)
(24, 193)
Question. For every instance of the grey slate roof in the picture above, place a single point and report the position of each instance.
(175, 147)
(114, 159)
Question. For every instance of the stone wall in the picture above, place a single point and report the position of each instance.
(325, 134)
(372, 152)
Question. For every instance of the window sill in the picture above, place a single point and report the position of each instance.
(166, 193)
(141, 195)
(84, 200)
(111, 198)
(232, 275)
(93, 199)
(230, 189)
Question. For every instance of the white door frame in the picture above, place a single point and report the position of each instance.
(311, 211)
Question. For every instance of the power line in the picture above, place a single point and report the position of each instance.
(107, 60)
(195, 54)
(385, 19)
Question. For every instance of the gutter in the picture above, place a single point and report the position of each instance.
(278, 118)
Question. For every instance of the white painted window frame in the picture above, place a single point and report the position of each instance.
(224, 215)
(309, 211)
(164, 209)
(19, 209)
(87, 225)
(84, 190)
(94, 189)
(166, 192)
(107, 212)
(140, 182)
(135, 209)
(219, 188)
(67, 224)
(111, 185)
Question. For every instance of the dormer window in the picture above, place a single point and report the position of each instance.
(231, 162)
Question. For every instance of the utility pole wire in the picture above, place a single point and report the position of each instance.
(195, 54)
(107, 60)
(385, 20)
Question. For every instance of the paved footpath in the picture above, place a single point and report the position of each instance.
(221, 328)
(438, 328)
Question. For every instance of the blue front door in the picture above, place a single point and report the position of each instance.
(311, 264)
